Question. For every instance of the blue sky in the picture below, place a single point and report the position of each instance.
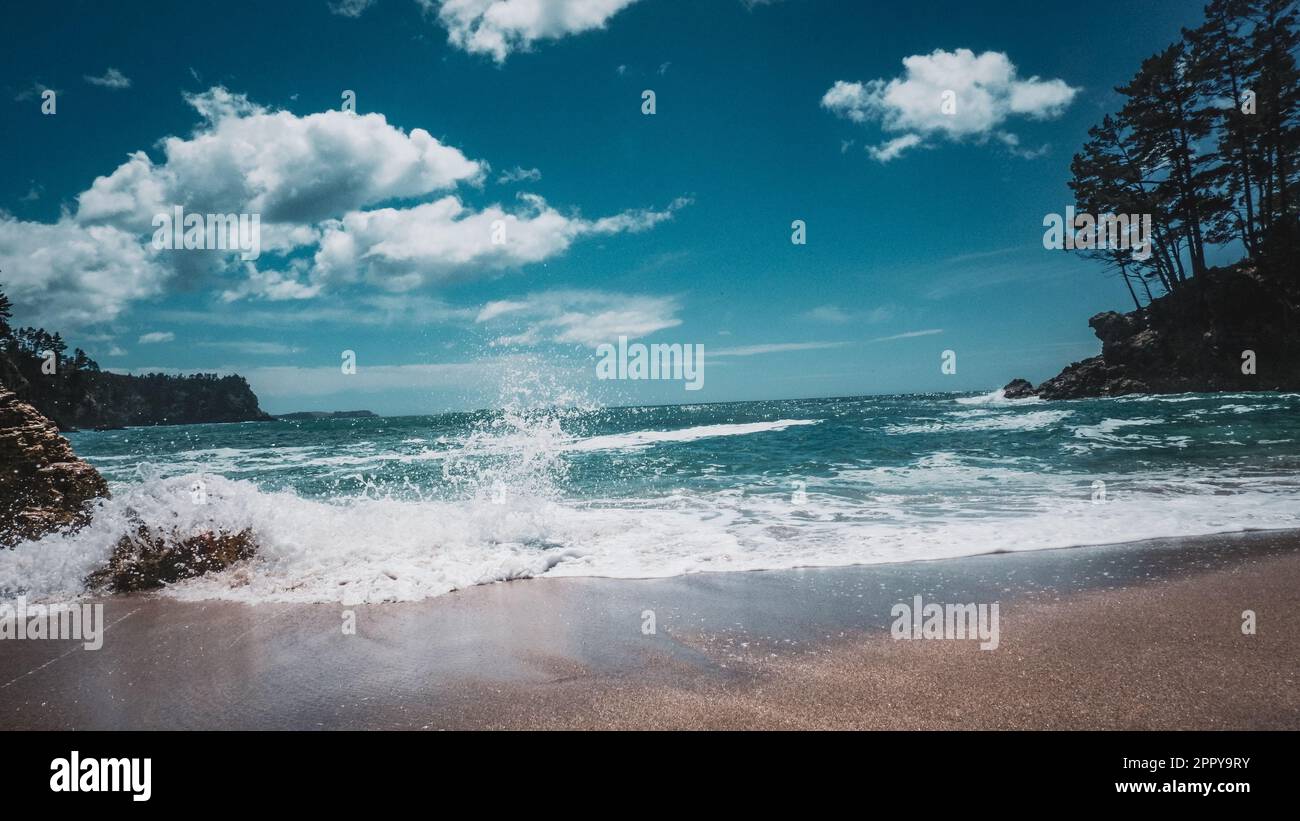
(923, 229)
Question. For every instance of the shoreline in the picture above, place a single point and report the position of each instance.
(1131, 636)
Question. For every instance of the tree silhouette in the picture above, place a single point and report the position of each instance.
(1207, 141)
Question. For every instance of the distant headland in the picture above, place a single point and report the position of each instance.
(308, 415)
(72, 391)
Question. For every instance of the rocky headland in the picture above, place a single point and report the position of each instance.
(1231, 329)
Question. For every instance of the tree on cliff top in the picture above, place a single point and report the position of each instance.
(1207, 141)
(6, 313)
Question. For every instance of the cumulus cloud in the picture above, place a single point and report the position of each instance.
(404, 248)
(310, 179)
(155, 337)
(68, 272)
(288, 169)
(986, 92)
(500, 27)
(273, 285)
(583, 317)
(112, 78)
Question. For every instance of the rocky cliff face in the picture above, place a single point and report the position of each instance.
(43, 485)
(1228, 330)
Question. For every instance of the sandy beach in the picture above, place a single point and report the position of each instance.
(1134, 636)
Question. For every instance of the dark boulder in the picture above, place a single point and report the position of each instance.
(151, 558)
(1019, 389)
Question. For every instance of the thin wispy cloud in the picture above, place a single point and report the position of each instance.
(976, 272)
(372, 310)
(349, 8)
(34, 91)
(909, 335)
(835, 315)
(254, 348)
(112, 79)
(518, 174)
(775, 347)
(585, 317)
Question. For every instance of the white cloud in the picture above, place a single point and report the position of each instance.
(587, 318)
(288, 169)
(274, 286)
(987, 92)
(401, 249)
(309, 179)
(518, 174)
(155, 337)
(892, 149)
(499, 27)
(112, 78)
(75, 274)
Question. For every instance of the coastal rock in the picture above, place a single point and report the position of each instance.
(1195, 340)
(150, 558)
(44, 487)
(1019, 389)
(1091, 377)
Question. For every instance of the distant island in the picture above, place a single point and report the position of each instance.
(1206, 150)
(307, 415)
(72, 391)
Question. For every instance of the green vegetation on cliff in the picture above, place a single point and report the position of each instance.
(75, 393)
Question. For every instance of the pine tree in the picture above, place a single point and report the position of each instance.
(6, 313)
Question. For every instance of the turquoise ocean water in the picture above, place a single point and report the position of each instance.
(402, 508)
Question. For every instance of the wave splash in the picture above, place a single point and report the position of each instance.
(547, 488)
(380, 549)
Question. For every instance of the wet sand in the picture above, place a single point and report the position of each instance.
(1135, 636)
